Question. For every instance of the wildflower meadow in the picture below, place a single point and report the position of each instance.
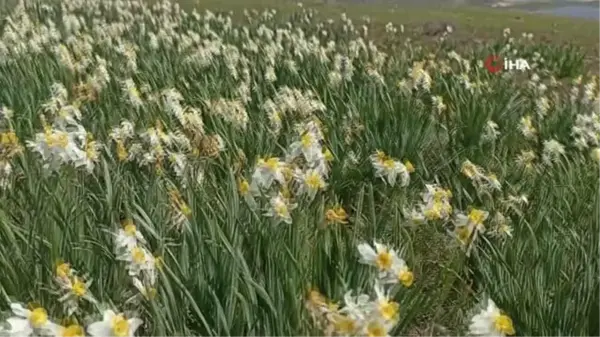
(171, 172)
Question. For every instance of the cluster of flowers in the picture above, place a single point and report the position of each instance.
(390, 169)
(158, 146)
(585, 131)
(290, 103)
(435, 205)
(468, 227)
(35, 322)
(65, 141)
(465, 227)
(10, 147)
(362, 315)
(72, 287)
(303, 172)
(142, 266)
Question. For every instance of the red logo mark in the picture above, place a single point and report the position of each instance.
(494, 63)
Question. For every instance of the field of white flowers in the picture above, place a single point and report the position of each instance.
(179, 173)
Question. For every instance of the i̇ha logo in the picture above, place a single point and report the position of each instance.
(495, 63)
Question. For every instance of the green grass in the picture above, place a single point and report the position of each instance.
(230, 270)
(473, 23)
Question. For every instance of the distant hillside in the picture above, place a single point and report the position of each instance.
(482, 3)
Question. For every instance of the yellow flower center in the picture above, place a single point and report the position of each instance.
(158, 150)
(276, 116)
(464, 234)
(389, 164)
(477, 216)
(159, 262)
(134, 92)
(345, 325)
(409, 166)
(384, 259)
(381, 156)
(90, 150)
(8, 138)
(435, 212)
(504, 324)
(314, 296)
(272, 164)
(149, 292)
(314, 181)
(38, 317)
(328, 155)
(63, 270)
(79, 288)
(73, 330)
(57, 140)
(469, 170)
(185, 209)
(406, 277)
(504, 229)
(130, 229)
(375, 329)
(243, 187)
(121, 151)
(281, 209)
(441, 194)
(307, 140)
(336, 215)
(119, 326)
(447, 208)
(332, 306)
(432, 214)
(388, 309)
(137, 255)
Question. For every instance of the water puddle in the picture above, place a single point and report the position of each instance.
(574, 11)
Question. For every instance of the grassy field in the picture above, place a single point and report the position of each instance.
(170, 171)
(472, 23)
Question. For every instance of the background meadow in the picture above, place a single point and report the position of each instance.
(125, 113)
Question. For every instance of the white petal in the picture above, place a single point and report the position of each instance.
(140, 237)
(18, 325)
(134, 324)
(398, 264)
(99, 329)
(348, 297)
(56, 329)
(108, 315)
(138, 284)
(379, 247)
(491, 307)
(366, 252)
(19, 310)
(479, 330)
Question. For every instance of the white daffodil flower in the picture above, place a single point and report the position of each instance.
(491, 322)
(114, 325)
(381, 257)
(128, 236)
(26, 322)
